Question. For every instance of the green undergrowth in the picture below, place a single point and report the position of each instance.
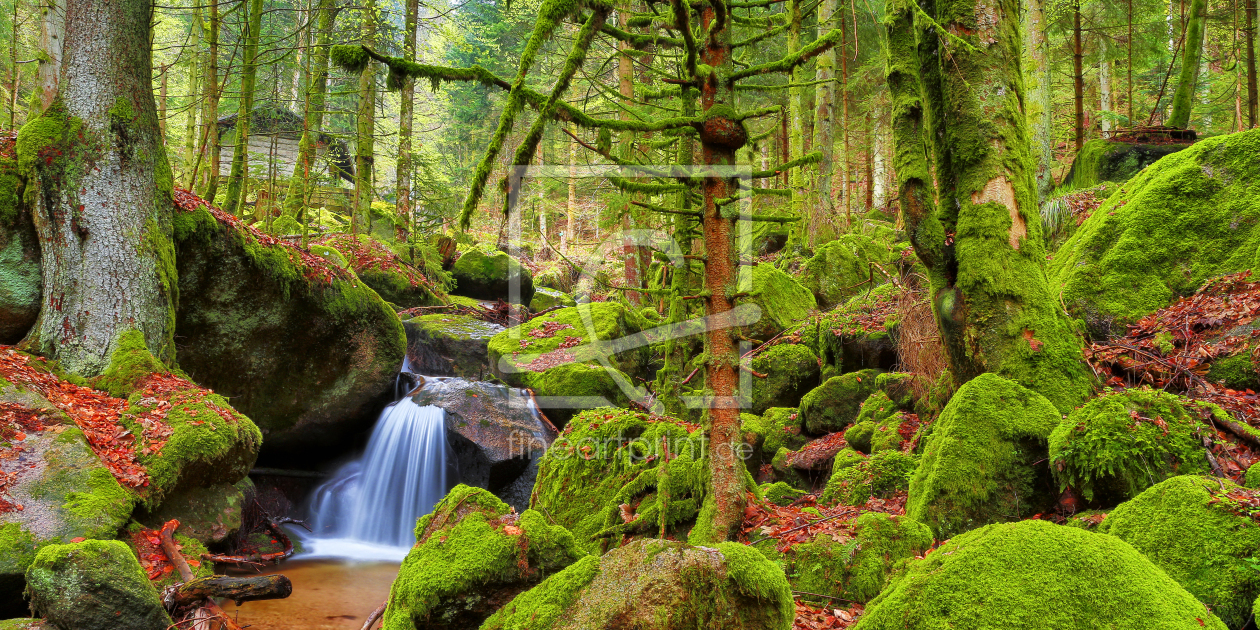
(985, 459)
(857, 568)
(1186, 526)
(857, 479)
(1030, 575)
(1120, 443)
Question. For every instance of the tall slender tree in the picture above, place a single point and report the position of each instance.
(239, 176)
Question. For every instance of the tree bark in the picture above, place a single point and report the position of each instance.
(194, 76)
(982, 245)
(796, 112)
(210, 117)
(1183, 99)
(566, 238)
(101, 186)
(1104, 85)
(820, 210)
(239, 176)
(1253, 96)
(365, 128)
(52, 37)
(1078, 74)
(1040, 101)
(625, 88)
(237, 589)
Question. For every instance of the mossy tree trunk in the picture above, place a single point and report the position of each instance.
(100, 187)
(239, 175)
(365, 129)
(1253, 24)
(963, 97)
(1183, 98)
(406, 117)
(194, 75)
(1078, 75)
(210, 115)
(300, 186)
(820, 211)
(1041, 105)
(796, 112)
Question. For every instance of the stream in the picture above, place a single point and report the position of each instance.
(327, 594)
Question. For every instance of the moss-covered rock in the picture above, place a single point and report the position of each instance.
(791, 371)
(876, 427)
(26, 624)
(1121, 443)
(94, 585)
(860, 334)
(778, 427)
(442, 344)
(21, 283)
(855, 481)
(1191, 216)
(658, 585)
(608, 457)
(856, 568)
(1236, 371)
(1034, 574)
(842, 268)
(1251, 478)
(1188, 526)
(836, 403)
(492, 274)
(985, 459)
(780, 493)
(1102, 160)
(471, 557)
(545, 298)
(396, 281)
(303, 348)
(784, 303)
(207, 514)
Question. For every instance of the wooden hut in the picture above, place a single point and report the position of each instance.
(274, 134)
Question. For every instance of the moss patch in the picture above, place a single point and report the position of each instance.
(854, 481)
(784, 303)
(94, 585)
(836, 403)
(489, 275)
(791, 371)
(857, 568)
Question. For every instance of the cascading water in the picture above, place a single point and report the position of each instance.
(370, 506)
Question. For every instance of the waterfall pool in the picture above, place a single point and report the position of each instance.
(327, 595)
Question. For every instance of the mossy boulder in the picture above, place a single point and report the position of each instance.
(492, 274)
(1031, 575)
(842, 268)
(877, 425)
(1237, 371)
(545, 298)
(393, 278)
(859, 334)
(303, 348)
(855, 479)
(784, 303)
(836, 403)
(472, 556)
(658, 585)
(94, 585)
(856, 567)
(1194, 529)
(608, 457)
(21, 282)
(207, 514)
(985, 459)
(1102, 160)
(778, 427)
(567, 389)
(780, 493)
(1190, 216)
(445, 344)
(1121, 443)
(791, 371)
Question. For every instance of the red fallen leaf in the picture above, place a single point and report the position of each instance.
(167, 569)
(77, 539)
(194, 563)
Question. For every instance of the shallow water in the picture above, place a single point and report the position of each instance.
(327, 595)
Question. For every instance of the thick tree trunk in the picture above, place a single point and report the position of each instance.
(300, 186)
(1040, 101)
(1183, 99)
(406, 116)
(239, 176)
(102, 193)
(821, 211)
(982, 245)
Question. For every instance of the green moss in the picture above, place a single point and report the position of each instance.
(330, 254)
(1102, 160)
(758, 578)
(836, 403)
(1185, 526)
(17, 550)
(1189, 217)
(780, 493)
(130, 363)
(842, 268)
(122, 109)
(94, 585)
(542, 606)
(1235, 372)
(1119, 444)
(984, 461)
(596, 325)
(545, 298)
(465, 547)
(882, 475)
(784, 303)
(1251, 478)
(777, 428)
(790, 369)
(859, 435)
(92, 503)
(857, 568)
(606, 457)
(1034, 574)
(488, 274)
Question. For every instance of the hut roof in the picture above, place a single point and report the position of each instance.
(266, 120)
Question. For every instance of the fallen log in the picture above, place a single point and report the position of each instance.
(237, 589)
(208, 611)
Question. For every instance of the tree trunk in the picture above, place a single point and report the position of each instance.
(190, 123)
(566, 237)
(796, 112)
(1253, 97)
(102, 190)
(1183, 99)
(300, 187)
(163, 76)
(723, 508)
(1104, 85)
(1078, 74)
(625, 88)
(820, 211)
(238, 178)
(405, 118)
(210, 117)
(1040, 102)
(52, 37)
(365, 127)
(982, 245)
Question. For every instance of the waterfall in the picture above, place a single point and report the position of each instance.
(370, 506)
